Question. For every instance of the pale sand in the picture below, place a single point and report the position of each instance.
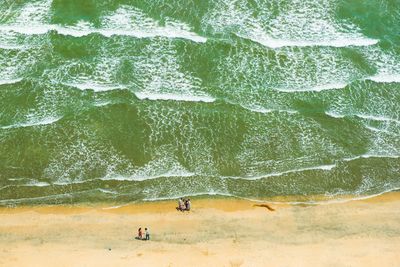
(232, 233)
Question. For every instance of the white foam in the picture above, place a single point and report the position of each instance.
(321, 167)
(334, 115)
(374, 129)
(130, 21)
(106, 191)
(253, 108)
(11, 47)
(331, 86)
(364, 116)
(344, 200)
(126, 21)
(32, 30)
(12, 81)
(135, 177)
(265, 110)
(167, 32)
(309, 202)
(378, 130)
(278, 43)
(385, 78)
(34, 12)
(210, 193)
(385, 61)
(367, 156)
(102, 103)
(167, 96)
(97, 87)
(300, 24)
(318, 88)
(80, 32)
(377, 118)
(65, 182)
(16, 179)
(37, 183)
(20, 200)
(34, 122)
(151, 177)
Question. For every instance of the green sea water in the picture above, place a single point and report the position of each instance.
(123, 100)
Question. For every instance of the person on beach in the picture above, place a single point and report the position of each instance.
(187, 204)
(147, 233)
(140, 233)
(181, 206)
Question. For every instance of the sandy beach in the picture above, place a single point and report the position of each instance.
(217, 232)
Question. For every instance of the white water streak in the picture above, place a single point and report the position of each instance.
(321, 167)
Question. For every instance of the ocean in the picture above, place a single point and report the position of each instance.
(124, 101)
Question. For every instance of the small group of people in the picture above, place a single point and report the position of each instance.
(140, 234)
(183, 204)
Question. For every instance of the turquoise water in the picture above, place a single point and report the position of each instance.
(146, 100)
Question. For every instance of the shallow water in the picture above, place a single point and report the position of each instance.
(127, 100)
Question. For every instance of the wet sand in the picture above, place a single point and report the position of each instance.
(217, 232)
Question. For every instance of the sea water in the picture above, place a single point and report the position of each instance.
(123, 100)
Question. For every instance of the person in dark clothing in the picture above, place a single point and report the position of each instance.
(187, 204)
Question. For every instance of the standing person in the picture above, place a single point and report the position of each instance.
(147, 233)
(187, 204)
(140, 233)
(180, 204)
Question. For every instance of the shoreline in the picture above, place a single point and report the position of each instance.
(216, 232)
(302, 200)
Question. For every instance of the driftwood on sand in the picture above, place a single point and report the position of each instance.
(264, 206)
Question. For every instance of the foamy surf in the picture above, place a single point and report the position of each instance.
(11, 47)
(32, 199)
(191, 194)
(132, 178)
(139, 178)
(11, 81)
(334, 115)
(332, 199)
(299, 57)
(107, 191)
(125, 21)
(377, 118)
(385, 78)
(130, 21)
(317, 88)
(363, 116)
(32, 30)
(31, 123)
(367, 156)
(377, 130)
(263, 110)
(258, 177)
(279, 43)
(37, 183)
(168, 33)
(175, 97)
(170, 30)
(97, 87)
(256, 109)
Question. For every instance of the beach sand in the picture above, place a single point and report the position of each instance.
(217, 232)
